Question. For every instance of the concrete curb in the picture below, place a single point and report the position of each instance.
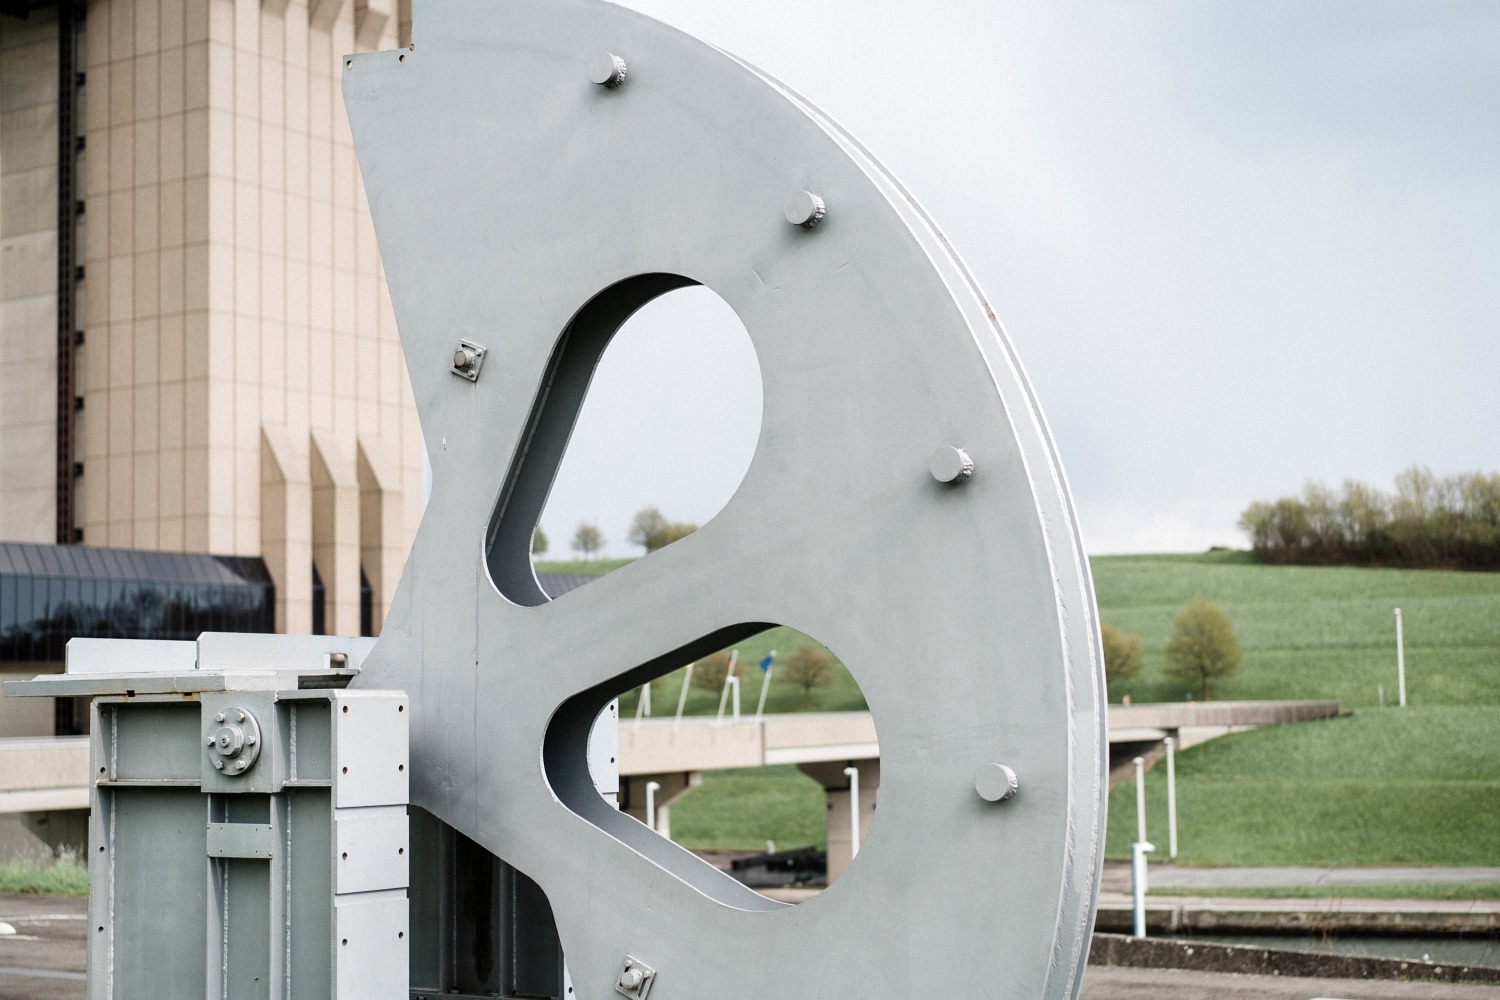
(1161, 953)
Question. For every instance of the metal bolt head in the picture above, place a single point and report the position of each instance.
(950, 465)
(467, 359)
(996, 782)
(607, 70)
(239, 716)
(631, 979)
(220, 717)
(219, 764)
(210, 741)
(805, 209)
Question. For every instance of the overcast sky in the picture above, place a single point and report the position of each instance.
(1236, 245)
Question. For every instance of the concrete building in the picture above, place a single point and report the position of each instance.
(197, 351)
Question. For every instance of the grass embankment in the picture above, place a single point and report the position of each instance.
(63, 875)
(1314, 632)
(1414, 786)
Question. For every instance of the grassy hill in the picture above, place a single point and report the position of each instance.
(1315, 632)
(1412, 786)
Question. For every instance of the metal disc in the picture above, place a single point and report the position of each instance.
(520, 206)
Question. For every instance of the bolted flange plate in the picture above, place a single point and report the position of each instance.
(232, 741)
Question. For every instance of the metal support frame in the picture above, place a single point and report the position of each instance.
(592, 160)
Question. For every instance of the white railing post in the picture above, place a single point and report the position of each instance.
(1138, 852)
(651, 789)
(1171, 797)
(1400, 663)
(1140, 799)
(852, 773)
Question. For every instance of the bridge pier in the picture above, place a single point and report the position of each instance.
(673, 787)
(836, 787)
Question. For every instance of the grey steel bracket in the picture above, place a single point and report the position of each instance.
(961, 600)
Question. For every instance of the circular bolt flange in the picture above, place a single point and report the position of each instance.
(805, 209)
(233, 746)
(995, 783)
(607, 69)
(950, 465)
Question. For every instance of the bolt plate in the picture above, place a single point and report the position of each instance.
(647, 976)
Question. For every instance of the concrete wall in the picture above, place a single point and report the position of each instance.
(28, 276)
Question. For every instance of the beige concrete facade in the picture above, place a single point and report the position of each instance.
(243, 388)
(28, 275)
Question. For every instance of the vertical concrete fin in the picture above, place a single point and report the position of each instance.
(286, 527)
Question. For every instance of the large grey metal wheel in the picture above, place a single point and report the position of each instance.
(526, 208)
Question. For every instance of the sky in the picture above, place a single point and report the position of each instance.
(1237, 246)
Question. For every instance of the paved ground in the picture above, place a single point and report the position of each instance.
(1101, 983)
(44, 959)
(1163, 876)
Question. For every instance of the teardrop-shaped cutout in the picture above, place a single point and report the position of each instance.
(642, 431)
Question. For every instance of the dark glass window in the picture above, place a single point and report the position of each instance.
(319, 604)
(366, 605)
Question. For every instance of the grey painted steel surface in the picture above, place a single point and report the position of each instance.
(287, 879)
(523, 208)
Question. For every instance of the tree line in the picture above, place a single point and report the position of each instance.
(1431, 522)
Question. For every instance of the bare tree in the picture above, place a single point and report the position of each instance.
(587, 539)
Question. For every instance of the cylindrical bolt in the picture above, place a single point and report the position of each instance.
(239, 716)
(950, 465)
(241, 765)
(463, 358)
(805, 209)
(607, 69)
(995, 782)
(250, 741)
(631, 979)
(212, 741)
(218, 763)
(219, 717)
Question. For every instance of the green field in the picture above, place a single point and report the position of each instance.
(1314, 632)
(1414, 786)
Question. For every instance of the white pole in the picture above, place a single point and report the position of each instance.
(1138, 852)
(1171, 798)
(852, 773)
(1140, 799)
(687, 682)
(651, 788)
(765, 687)
(646, 697)
(735, 683)
(734, 658)
(1400, 662)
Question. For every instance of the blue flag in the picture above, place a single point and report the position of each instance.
(765, 664)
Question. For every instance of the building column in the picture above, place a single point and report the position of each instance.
(335, 532)
(286, 528)
(836, 786)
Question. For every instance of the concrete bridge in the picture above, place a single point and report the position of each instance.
(45, 779)
(675, 753)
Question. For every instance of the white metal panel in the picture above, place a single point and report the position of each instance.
(370, 848)
(369, 748)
